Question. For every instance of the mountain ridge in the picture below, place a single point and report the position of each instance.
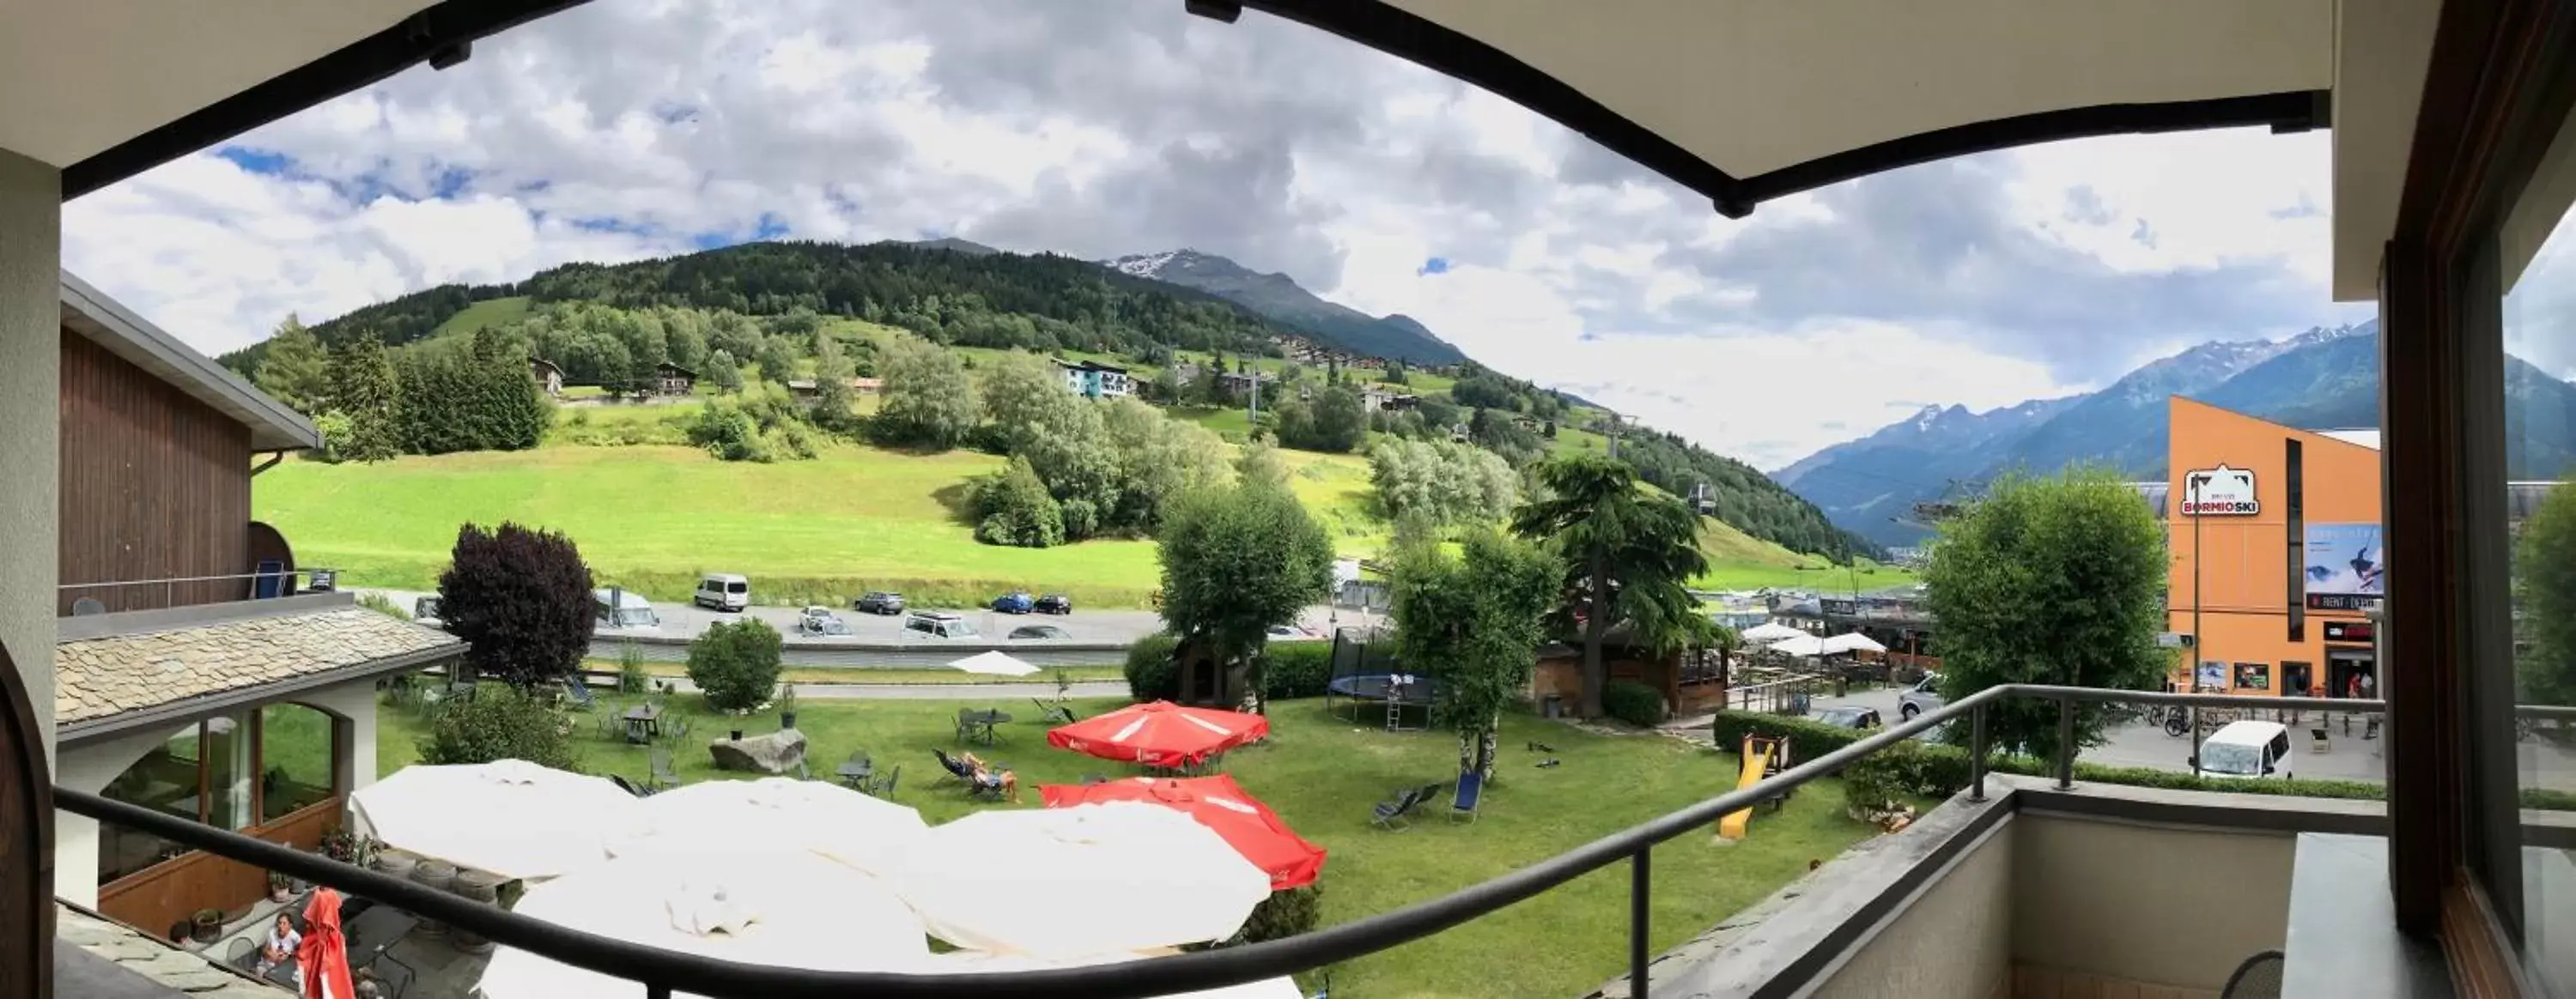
(1395, 337)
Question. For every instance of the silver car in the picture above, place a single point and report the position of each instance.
(1921, 697)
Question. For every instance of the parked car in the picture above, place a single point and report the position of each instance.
(820, 621)
(1847, 716)
(1039, 631)
(624, 610)
(937, 624)
(1289, 631)
(723, 591)
(1053, 603)
(1923, 696)
(878, 602)
(1015, 603)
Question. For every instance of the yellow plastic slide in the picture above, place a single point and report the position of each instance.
(1755, 762)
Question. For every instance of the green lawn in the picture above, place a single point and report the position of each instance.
(1322, 773)
(1040, 683)
(487, 313)
(652, 517)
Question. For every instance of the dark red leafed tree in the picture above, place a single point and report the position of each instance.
(521, 598)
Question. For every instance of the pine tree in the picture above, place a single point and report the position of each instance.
(295, 370)
(363, 388)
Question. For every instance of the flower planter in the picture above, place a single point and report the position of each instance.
(206, 926)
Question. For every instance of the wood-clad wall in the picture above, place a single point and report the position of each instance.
(155, 485)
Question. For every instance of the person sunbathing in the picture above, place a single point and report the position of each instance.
(988, 777)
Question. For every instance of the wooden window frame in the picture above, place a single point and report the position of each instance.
(2500, 81)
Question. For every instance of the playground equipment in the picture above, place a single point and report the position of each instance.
(1764, 757)
(1365, 673)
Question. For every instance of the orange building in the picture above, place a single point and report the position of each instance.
(2274, 535)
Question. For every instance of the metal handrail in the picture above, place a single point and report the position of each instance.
(662, 971)
(198, 579)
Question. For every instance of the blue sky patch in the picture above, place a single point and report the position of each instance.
(1435, 265)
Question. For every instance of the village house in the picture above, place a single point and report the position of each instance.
(1094, 380)
(672, 379)
(548, 376)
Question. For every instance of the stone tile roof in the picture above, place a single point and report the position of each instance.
(99, 677)
(180, 972)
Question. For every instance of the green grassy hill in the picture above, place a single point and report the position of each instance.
(482, 315)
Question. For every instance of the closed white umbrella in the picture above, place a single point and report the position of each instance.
(1770, 631)
(510, 817)
(1803, 645)
(774, 814)
(1093, 879)
(1853, 642)
(787, 908)
(993, 664)
(980, 962)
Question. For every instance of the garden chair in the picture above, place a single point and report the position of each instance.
(802, 773)
(578, 693)
(627, 786)
(1055, 714)
(1462, 802)
(883, 786)
(662, 774)
(1393, 816)
(957, 771)
(242, 955)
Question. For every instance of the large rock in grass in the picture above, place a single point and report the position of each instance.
(776, 753)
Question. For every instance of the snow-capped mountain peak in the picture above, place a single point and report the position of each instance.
(1146, 265)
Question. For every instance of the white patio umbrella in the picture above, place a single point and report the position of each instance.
(1803, 645)
(1853, 642)
(786, 908)
(774, 814)
(1093, 879)
(510, 817)
(982, 962)
(1770, 631)
(993, 664)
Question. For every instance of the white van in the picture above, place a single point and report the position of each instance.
(620, 610)
(723, 591)
(2246, 750)
(937, 624)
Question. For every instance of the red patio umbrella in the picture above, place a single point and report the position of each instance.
(1220, 804)
(1160, 734)
(325, 951)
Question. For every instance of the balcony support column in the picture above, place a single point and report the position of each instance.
(30, 337)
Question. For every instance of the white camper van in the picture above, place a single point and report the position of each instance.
(2247, 750)
(622, 610)
(723, 591)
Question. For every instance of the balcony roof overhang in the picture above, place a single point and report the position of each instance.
(274, 426)
(1744, 102)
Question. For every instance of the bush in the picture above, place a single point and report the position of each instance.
(1633, 702)
(521, 600)
(499, 723)
(631, 677)
(728, 433)
(1151, 673)
(735, 664)
(1011, 507)
(1284, 914)
(1296, 669)
(384, 605)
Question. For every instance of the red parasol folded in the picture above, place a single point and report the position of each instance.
(1160, 734)
(325, 951)
(1220, 804)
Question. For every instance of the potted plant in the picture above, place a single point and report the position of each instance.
(787, 707)
(280, 887)
(206, 925)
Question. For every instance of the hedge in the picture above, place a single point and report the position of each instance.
(1151, 673)
(1296, 669)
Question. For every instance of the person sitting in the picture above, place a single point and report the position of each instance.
(279, 948)
(988, 778)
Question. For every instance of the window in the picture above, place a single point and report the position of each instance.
(202, 774)
(295, 760)
(737, 587)
(2534, 259)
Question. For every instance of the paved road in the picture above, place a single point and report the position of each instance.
(999, 693)
(680, 620)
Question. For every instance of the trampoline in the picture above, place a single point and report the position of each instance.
(1364, 673)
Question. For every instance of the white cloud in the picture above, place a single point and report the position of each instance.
(630, 128)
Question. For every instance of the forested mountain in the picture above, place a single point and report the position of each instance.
(622, 318)
(1395, 337)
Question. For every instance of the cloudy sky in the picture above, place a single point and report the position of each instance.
(635, 128)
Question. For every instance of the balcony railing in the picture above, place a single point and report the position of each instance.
(662, 971)
(116, 595)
